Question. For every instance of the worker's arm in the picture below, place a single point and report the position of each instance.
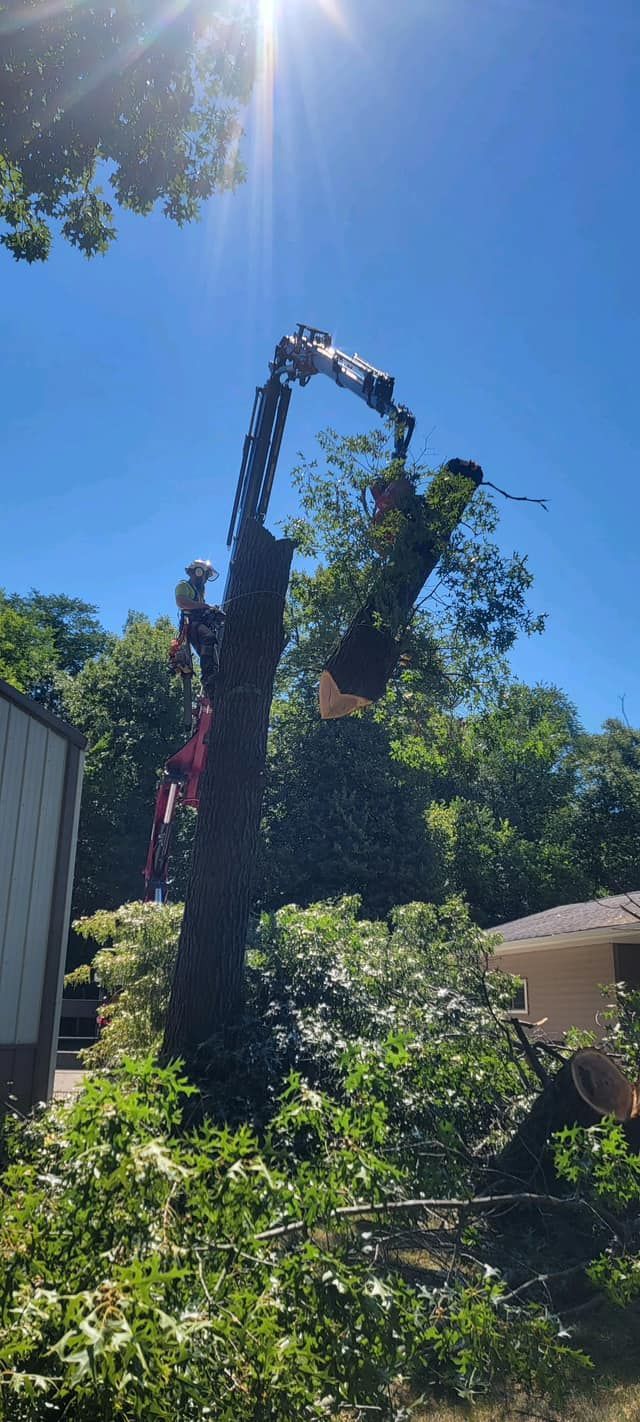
(192, 608)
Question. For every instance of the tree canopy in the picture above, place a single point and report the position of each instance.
(609, 823)
(472, 610)
(44, 636)
(459, 781)
(129, 91)
(130, 708)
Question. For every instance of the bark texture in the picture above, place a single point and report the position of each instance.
(207, 991)
(360, 666)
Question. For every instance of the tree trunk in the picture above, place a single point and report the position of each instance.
(207, 990)
(585, 1089)
(357, 672)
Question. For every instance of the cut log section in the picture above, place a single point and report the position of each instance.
(334, 703)
(587, 1088)
(358, 670)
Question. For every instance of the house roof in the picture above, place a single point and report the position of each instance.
(617, 911)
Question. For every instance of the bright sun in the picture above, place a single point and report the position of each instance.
(284, 78)
(269, 10)
(274, 18)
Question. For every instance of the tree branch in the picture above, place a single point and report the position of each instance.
(530, 1052)
(546, 1279)
(517, 498)
(475, 1204)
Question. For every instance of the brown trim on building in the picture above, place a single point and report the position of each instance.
(45, 1051)
(32, 708)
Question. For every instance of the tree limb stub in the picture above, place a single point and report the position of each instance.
(207, 990)
(357, 671)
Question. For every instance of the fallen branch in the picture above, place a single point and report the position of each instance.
(546, 1279)
(475, 1204)
(530, 1052)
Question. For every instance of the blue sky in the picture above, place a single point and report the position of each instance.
(452, 190)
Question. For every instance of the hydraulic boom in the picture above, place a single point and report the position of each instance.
(297, 358)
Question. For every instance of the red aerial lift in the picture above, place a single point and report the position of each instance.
(297, 358)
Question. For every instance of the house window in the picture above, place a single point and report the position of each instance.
(519, 1001)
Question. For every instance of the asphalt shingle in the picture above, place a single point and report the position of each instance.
(617, 911)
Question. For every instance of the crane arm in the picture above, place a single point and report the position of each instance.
(297, 358)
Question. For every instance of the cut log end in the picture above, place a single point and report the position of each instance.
(335, 703)
(601, 1084)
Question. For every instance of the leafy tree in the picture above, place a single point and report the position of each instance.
(27, 648)
(339, 815)
(140, 1277)
(520, 755)
(468, 619)
(74, 626)
(345, 802)
(503, 787)
(416, 799)
(405, 805)
(129, 707)
(609, 814)
(503, 874)
(147, 96)
(53, 634)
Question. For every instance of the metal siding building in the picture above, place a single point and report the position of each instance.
(41, 762)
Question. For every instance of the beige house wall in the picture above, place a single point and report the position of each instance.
(563, 984)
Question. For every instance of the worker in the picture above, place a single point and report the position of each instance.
(200, 620)
(394, 495)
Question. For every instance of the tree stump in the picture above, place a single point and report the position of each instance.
(207, 990)
(357, 671)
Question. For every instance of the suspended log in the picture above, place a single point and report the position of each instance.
(358, 670)
(584, 1090)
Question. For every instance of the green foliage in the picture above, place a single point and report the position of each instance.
(414, 801)
(340, 815)
(129, 707)
(27, 648)
(45, 637)
(146, 1270)
(600, 1159)
(400, 1013)
(405, 1009)
(602, 1163)
(609, 822)
(622, 1028)
(471, 615)
(72, 623)
(147, 98)
(137, 947)
(501, 787)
